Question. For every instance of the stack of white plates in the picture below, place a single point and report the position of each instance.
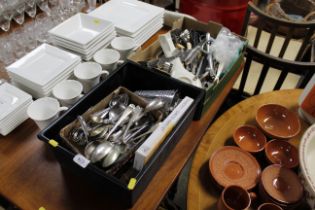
(132, 18)
(83, 34)
(13, 106)
(41, 69)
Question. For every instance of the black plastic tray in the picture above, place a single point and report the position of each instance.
(133, 77)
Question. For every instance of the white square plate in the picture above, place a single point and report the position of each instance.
(11, 98)
(103, 40)
(81, 28)
(127, 15)
(146, 27)
(43, 64)
(49, 85)
(109, 31)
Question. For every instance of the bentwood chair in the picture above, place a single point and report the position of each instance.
(304, 69)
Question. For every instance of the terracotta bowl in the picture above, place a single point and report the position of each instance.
(231, 165)
(249, 138)
(282, 152)
(307, 159)
(277, 121)
(280, 184)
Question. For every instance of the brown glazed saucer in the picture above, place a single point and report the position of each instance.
(282, 152)
(249, 138)
(277, 121)
(281, 184)
(230, 165)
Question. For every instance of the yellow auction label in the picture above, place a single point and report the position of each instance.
(53, 143)
(132, 183)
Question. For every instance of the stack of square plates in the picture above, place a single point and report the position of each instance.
(13, 105)
(83, 34)
(132, 18)
(41, 69)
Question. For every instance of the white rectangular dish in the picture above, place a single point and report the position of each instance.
(128, 16)
(81, 28)
(43, 64)
(11, 99)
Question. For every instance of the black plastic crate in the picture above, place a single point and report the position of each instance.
(133, 77)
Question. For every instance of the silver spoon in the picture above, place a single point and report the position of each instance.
(88, 150)
(102, 150)
(98, 117)
(154, 104)
(122, 119)
(96, 131)
(112, 156)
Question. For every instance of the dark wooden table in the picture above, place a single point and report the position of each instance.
(31, 177)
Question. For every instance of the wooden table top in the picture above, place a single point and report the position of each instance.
(31, 177)
(201, 191)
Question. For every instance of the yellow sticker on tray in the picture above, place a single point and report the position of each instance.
(132, 183)
(53, 143)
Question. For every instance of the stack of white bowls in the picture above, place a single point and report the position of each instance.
(132, 18)
(83, 34)
(41, 69)
(13, 105)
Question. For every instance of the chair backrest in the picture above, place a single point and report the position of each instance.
(305, 69)
(275, 26)
(253, 55)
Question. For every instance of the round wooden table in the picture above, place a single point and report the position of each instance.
(201, 192)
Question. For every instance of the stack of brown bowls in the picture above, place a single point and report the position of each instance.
(236, 168)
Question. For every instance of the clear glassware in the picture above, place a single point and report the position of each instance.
(78, 5)
(29, 36)
(19, 15)
(43, 5)
(30, 8)
(54, 3)
(6, 52)
(43, 24)
(91, 5)
(18, 42)
(6, 15)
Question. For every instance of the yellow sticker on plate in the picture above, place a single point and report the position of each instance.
(96, 21)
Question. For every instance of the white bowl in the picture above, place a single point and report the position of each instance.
(307, 159)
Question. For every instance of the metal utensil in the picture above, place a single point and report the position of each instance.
(84, 126)
(123, 118)
(112, 156)
(89, 148)
(101, 150)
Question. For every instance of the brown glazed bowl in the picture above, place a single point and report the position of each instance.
(280, 185)
(230, 165)
(282, 152)
(277, 121)
(234, 197)
(249, 138)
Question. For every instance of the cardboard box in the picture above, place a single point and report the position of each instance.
(213, 28)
